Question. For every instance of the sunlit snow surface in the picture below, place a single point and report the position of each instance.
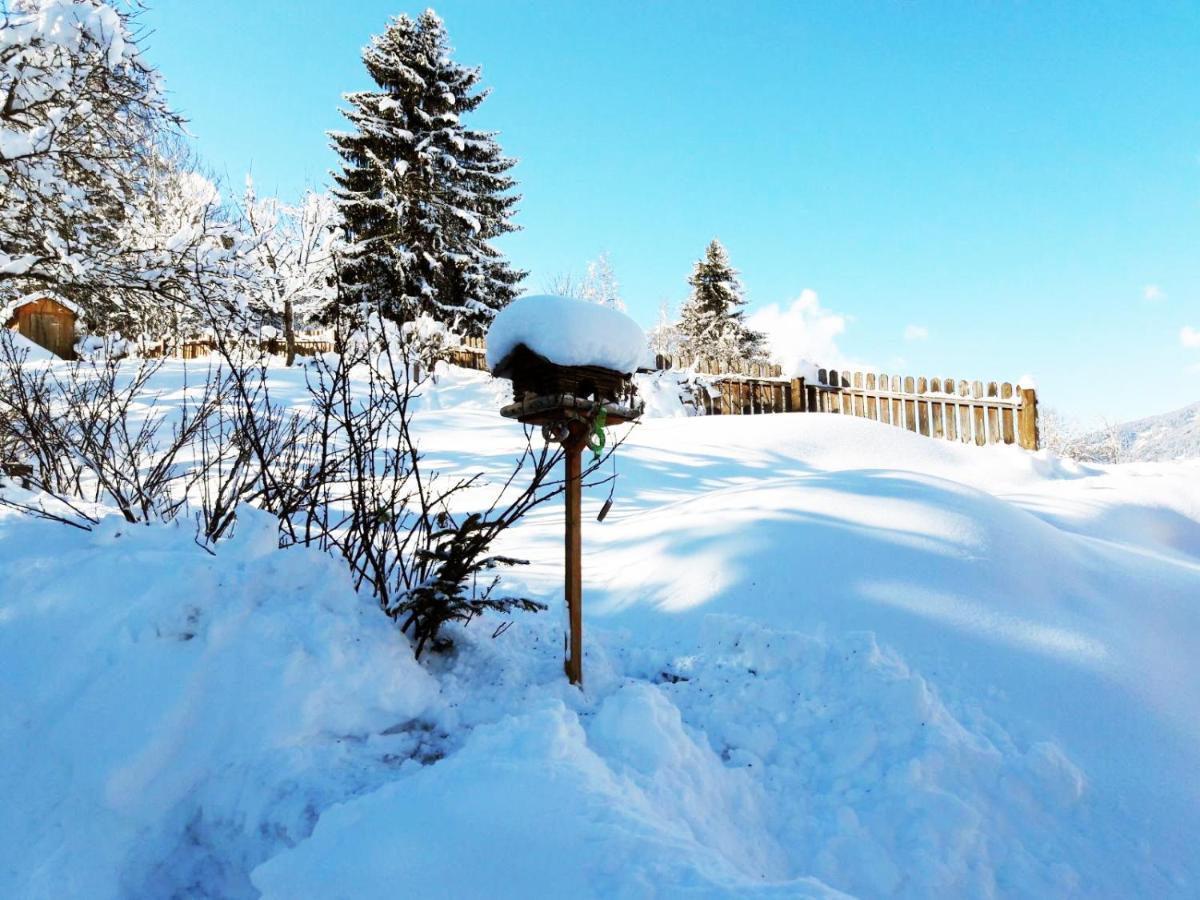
(823, 655)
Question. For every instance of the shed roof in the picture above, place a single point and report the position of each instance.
(10, 308)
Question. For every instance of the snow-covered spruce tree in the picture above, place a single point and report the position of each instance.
(420, 194)
(711, 320)
(81, 114)
(292, 249)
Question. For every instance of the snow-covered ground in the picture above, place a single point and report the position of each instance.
(822, 655)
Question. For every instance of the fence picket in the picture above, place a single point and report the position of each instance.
(993, 414)
(1006, 414)
(977, 410)
(966, 432)
(922, 406)
(860, 405)
(910, 406)
(1027, 419)
(935, 411)
(951, 412)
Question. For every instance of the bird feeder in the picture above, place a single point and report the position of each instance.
(572, 403)
(549, 394)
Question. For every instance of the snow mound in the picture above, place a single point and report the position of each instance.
(190, 713)
(509, 814)
(22, 345)
(568, 332)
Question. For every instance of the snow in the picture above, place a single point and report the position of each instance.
(22, 345)
(568, 332)
(10, 309)
(822, 655)
(1172, 435)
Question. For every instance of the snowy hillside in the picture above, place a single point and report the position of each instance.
(1173, 435)
(823, 657)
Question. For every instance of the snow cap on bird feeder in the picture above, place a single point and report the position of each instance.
(566, 356)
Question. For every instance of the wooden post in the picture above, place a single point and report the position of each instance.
(1027, 423)
(797, 396)
(573, 582)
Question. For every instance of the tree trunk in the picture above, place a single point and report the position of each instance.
(289, 332)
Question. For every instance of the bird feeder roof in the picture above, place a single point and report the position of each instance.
(567, 332)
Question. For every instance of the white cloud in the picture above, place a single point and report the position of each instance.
(803, 334)
(1189, 336)
(916, 333)
(1152, 292)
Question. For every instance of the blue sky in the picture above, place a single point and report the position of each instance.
(1020, 180)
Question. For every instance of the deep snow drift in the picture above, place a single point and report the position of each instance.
(822, 655)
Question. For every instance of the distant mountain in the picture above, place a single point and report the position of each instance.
(1173, 435)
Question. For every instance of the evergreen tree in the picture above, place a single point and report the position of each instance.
(711, 320)
(421, 196)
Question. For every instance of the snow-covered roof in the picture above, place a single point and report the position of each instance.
(7, 311)
(567, 332)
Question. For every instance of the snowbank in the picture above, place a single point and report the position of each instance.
(22, 345)
(568, 332)
(170, 719)
(822, 655)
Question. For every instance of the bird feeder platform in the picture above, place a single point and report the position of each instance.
(551, 408)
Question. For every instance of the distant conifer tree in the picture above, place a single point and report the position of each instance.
(711, 320)
(421, 196)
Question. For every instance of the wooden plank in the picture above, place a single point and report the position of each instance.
(922, 407)
(977, 413)
(1008, 431)
(951, 413)
(937, 430)
(910, 406)
(993, 414)
(797, 396)
(965, 430)
(872, 400)
(860, 406)
(835, 396)
(1027, 419)
(885, 407)
(897, 407)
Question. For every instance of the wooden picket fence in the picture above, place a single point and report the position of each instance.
(470, 353)
(970, 412)
(717, 366)
(306, 345)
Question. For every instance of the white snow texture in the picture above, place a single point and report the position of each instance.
(568, 332)
(823, 657)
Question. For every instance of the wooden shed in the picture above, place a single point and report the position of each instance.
(47, 321)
